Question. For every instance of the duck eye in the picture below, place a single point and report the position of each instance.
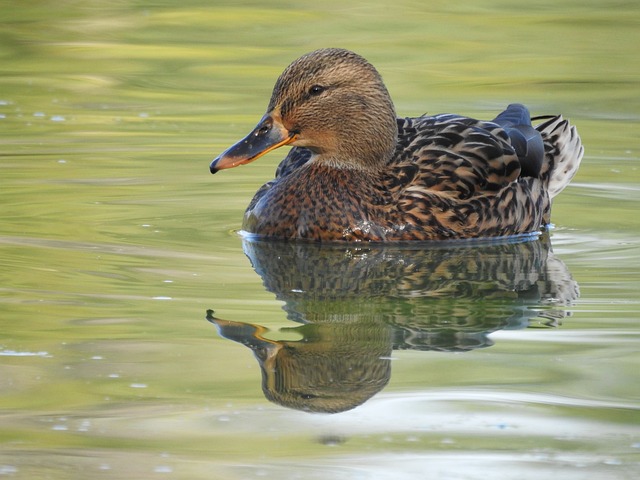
(316, 90)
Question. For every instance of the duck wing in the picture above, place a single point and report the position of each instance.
(457, 177)
(452, 156)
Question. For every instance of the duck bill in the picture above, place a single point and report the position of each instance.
(268, 135)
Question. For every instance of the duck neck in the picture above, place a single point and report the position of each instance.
(366, 147)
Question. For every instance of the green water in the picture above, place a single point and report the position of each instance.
(115, 241)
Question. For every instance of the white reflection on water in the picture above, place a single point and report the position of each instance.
(14, 353)
(453, 465)
(435, 410)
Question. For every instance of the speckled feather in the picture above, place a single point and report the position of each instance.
(450, 177)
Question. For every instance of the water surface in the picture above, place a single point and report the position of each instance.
(515, 361)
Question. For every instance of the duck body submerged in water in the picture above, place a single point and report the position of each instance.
(359, 173)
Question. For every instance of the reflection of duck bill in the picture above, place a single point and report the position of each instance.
(250, 336)
(332, 369)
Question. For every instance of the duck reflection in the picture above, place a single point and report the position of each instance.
(356, 304)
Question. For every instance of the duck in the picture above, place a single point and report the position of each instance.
(359, 173)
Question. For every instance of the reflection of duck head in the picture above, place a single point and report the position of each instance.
(357, 303)
(331, 369)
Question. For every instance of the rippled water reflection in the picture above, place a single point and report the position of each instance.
(115, 241)
(359, 303)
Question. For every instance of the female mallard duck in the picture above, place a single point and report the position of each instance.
(360, 174)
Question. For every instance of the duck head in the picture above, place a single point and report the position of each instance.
(331, 101)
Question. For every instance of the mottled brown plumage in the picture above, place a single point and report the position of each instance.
(357, 173)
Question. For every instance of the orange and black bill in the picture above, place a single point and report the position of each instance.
(268, 135)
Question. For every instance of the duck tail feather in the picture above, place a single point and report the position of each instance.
(563, 153)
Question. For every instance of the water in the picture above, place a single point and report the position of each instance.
(517, 361)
